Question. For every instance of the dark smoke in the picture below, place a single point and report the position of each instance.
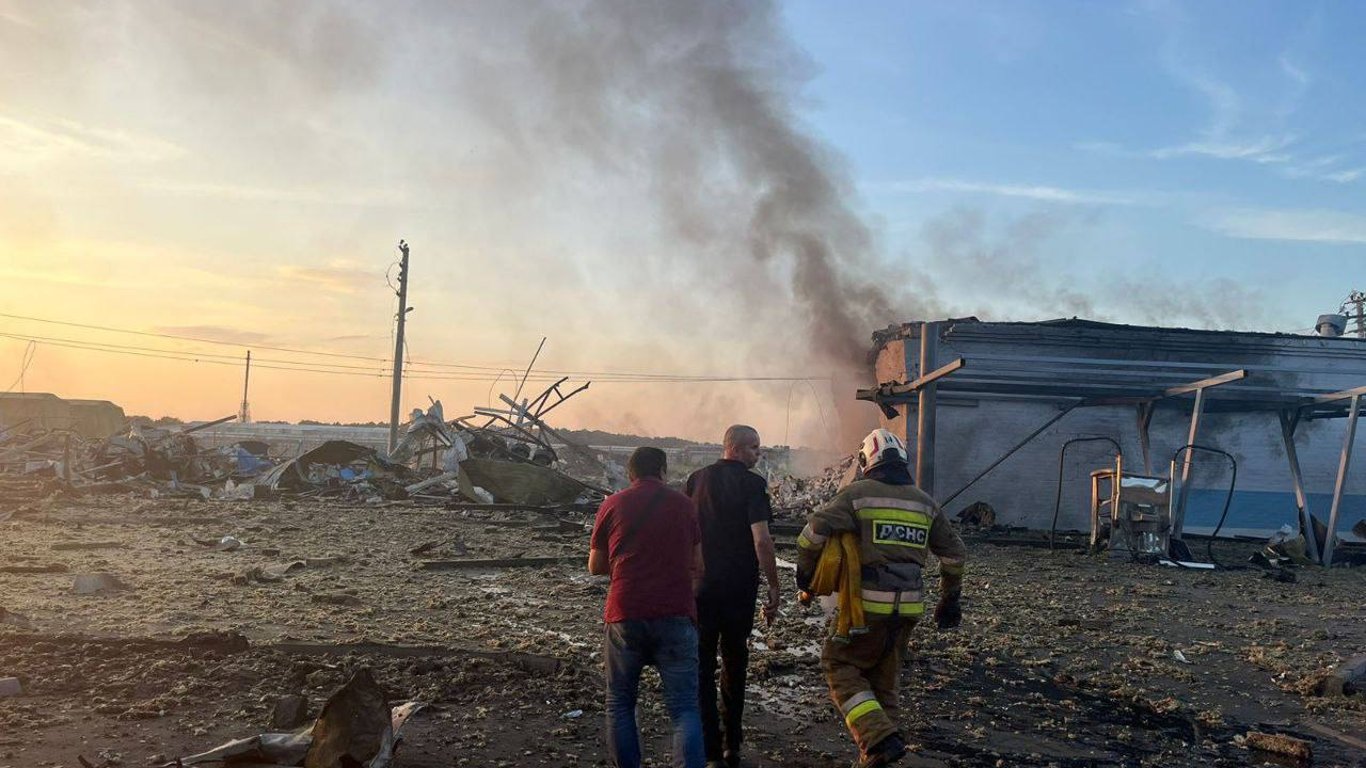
(696, 101)
(685, 110)
(1004, 264)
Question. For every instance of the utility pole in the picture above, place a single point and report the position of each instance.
(1358, 299)
(244, 415)
(403, 311)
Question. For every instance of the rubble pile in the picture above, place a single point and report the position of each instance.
(795, 497)
(490, 457)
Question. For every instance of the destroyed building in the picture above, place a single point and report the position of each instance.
(1009, 395)
(36, 411)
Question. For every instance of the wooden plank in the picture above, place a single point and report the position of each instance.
(501, 562)
(1345, 394)
(27, 569)
(1213, 381)
(528, 661)
(1324, 730)
(892, 390)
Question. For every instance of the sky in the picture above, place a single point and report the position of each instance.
(664, 191)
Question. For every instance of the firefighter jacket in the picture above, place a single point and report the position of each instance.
(897, 526)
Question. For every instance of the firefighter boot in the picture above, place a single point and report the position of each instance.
(885, 752)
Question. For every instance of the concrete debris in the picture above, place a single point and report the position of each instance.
(356, 728)
(1347, 679)
(10, 686)
(97, 583)
(10, 618)
(290, 712)
(795, 497)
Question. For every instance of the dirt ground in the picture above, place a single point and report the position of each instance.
(1063, 659)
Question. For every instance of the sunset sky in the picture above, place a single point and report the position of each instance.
(242, 172)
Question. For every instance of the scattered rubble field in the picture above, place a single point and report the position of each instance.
(196, 618)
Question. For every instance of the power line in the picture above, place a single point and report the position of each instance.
(604, 375)
(24, 361)
(350, 370)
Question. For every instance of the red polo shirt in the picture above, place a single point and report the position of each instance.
(650, 546)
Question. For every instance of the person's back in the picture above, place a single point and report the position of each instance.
(896, 525)
(646, 538)
(729, 498)
(649, 533)
(733, 511)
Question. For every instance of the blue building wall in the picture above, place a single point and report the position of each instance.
(974, 431)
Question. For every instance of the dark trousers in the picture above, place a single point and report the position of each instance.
(725, 618)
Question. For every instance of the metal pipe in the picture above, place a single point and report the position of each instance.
(1062, 456)
(1190, 448)
(1344, 461)
(1012, 451)
(529, 366)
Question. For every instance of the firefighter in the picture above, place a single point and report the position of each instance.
(878, 530)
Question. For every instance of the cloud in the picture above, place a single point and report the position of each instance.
(1346, 176)
(1249, 122)
(33, 141)
(1294, 71)
(1266, 149)
(214, 333)
(339, 277)
(307, 195)
(1308, 226)
(1027, 191)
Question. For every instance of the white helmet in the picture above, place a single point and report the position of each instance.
(881, 445)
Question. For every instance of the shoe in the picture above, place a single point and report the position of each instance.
(885, 752)
(732, 760)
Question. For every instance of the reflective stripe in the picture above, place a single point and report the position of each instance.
(809, 539)
(855, 700)
(951, 567)
(879, 596)
(887, 608)
(891, 502)
(861, 710)
(895, 515)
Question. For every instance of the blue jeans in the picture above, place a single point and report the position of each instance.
(670, 645)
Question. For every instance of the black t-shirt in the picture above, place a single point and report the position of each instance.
(729, 499)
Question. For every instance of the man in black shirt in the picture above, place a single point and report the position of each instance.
(733, 510)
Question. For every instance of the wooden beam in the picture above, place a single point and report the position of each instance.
(893, 390)
(1345, 394)
(1213, 381)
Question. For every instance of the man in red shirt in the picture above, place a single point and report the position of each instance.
(647, 538)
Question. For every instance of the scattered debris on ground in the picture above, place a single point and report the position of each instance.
(1063, 659)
